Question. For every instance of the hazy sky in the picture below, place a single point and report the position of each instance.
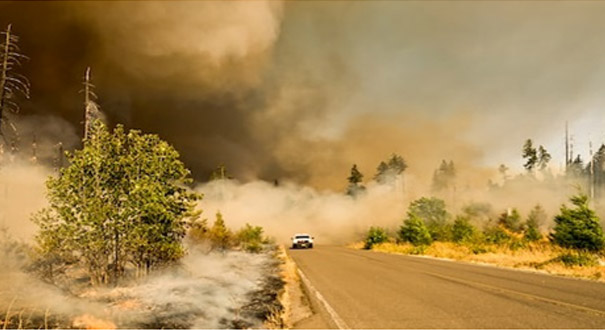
(302, 90)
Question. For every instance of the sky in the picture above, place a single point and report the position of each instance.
(302, 90)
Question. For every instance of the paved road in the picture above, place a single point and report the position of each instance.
(366, 289)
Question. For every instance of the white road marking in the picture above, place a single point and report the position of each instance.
(340, 323)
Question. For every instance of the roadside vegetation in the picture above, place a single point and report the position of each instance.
(574, 246)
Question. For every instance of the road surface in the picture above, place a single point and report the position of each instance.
(364, 289)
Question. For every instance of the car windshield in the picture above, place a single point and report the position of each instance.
(299, 237)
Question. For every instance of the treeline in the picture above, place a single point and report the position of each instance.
(427, 221)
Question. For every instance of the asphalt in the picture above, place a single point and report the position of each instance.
(365, 289)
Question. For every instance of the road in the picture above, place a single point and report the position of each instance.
(365, 289)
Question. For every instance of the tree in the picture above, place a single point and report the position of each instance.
(91, 108)
(576, 167)
(503, 169)
(444, 176)
(122, 199)
(543, 158)
(375, 235)
(578, 227)
(220, 236)
(11, 83)
(462, 230)
(354, 182)
(415, 231)
(530, 155)
(387, 171)
(511, 220)
(432, 211)
(536, 218)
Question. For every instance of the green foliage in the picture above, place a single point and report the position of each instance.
(432, 211)
(578, 227)
(444, 176)
(376, 235)
(219, 235)
(462, 230)
(511, 220)
(577, 259)
(536, 218)
(250, 238)
(530, 155)
(415, 231)
(477, 211)
(121, 200)
(543, 158)
(355, 179)
(496, 235)
(387, 171)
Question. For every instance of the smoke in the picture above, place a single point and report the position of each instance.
(272, 89)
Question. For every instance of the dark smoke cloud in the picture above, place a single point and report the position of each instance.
(302, 90)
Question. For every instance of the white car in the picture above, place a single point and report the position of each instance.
(302, 241)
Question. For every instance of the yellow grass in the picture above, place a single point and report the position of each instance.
(537, 256)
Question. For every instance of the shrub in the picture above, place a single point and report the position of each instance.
(496, 235)
(432, 211)
(462, 230)
(376, 235)
(536, 217)
(219, 235)
(415, 231)
(250, 238)
(578, 227)
(577, 259)
(511, 220)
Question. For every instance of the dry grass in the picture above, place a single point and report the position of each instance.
(540, 256)
(292, 297)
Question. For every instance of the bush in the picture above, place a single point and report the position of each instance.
(219, 235)
(511, 220)
(462, 230)
(415, 231)
(577, 259)
(432, 211)
(376, 235)
(532, 226)
(496, 235)
(578, 227)
(250, 238)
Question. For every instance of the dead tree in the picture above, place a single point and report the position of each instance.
(91, 108)
(11, 83)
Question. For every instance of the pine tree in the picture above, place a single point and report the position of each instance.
(536, 218)
(220, 236)
(355, 179)
(578, 227)
(543, 158)
(530, 155)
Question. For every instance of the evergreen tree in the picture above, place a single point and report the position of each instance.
(220, 236)
(543, 158)
(578, 227)
(388, 171)
(444, 177)
(536, 218)
(220, 173)
(355, 179)
(530, 155)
